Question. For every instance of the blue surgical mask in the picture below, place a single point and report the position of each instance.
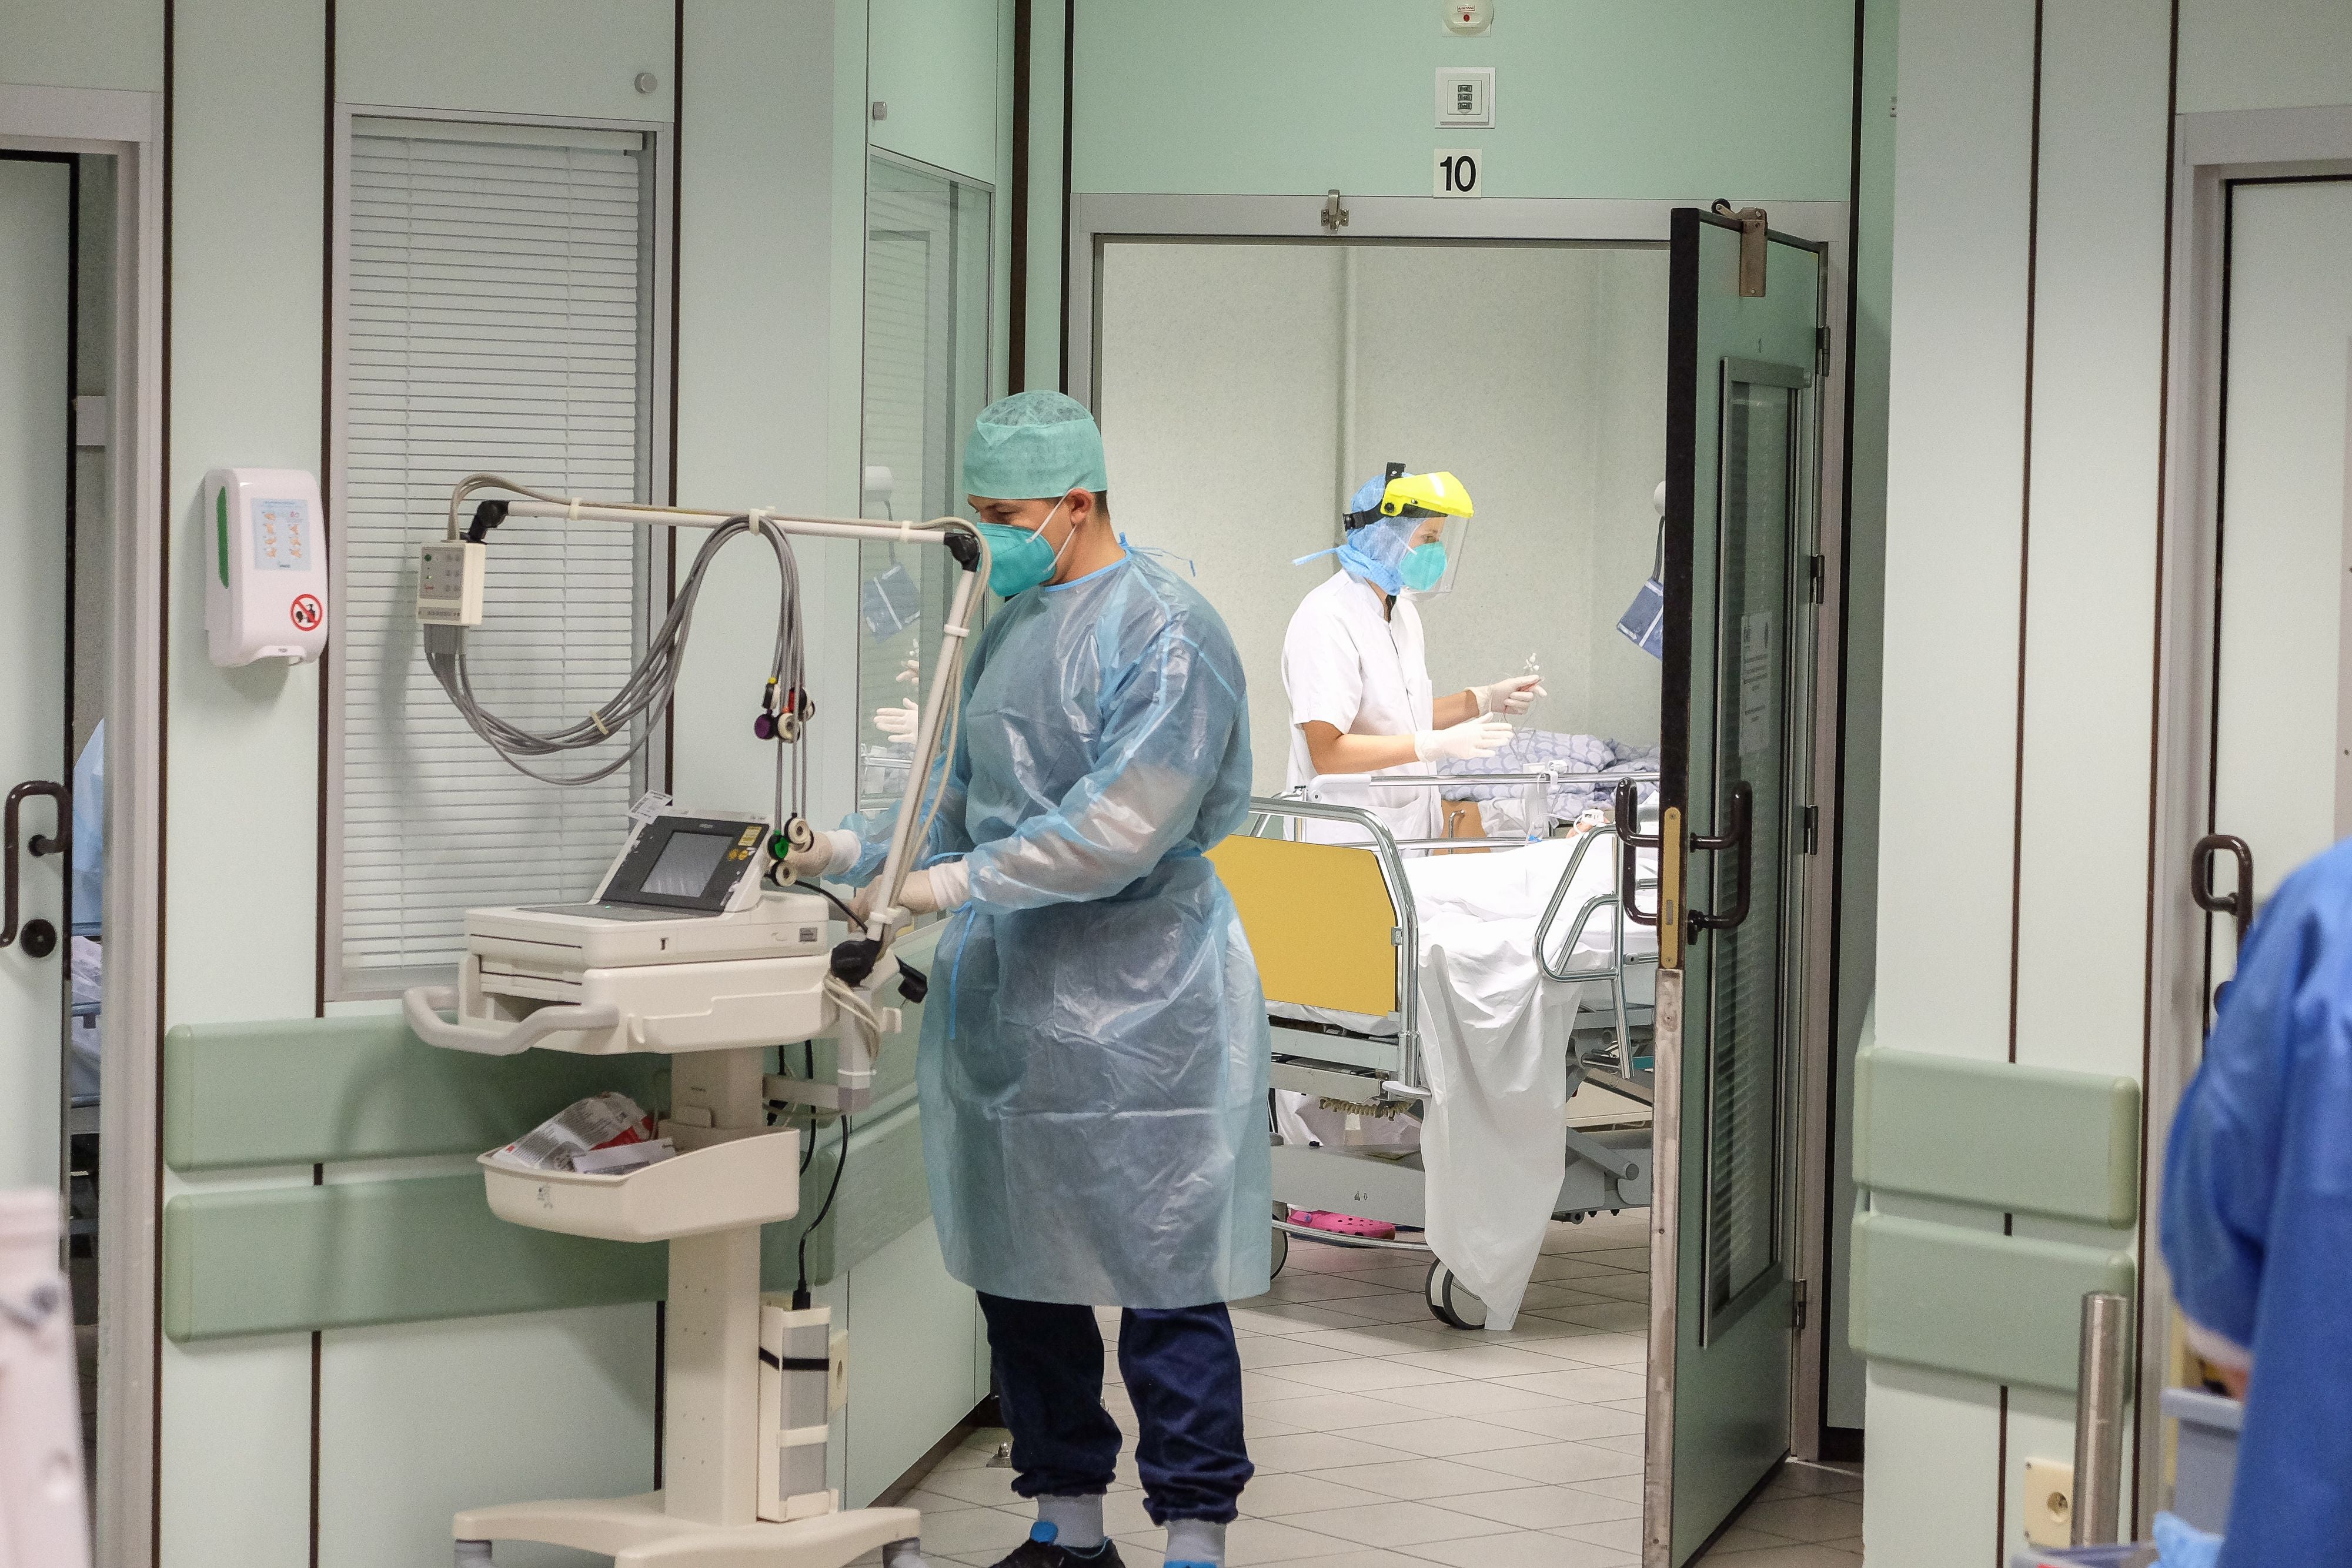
(1423, 566)
(1020, 559)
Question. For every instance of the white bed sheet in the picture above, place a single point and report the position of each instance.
(1495, 1037)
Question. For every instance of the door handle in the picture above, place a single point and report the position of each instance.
(2239, 905)
(1743, 800)
(40, 937)
(1625, 807)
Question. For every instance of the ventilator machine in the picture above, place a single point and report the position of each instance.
(695, 943)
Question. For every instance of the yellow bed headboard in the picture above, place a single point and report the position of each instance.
(1319, 921)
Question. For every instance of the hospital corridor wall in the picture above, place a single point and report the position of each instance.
(1291, 373)
(2045, 311)
(351, 1442)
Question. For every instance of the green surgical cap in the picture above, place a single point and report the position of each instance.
(1031, 444)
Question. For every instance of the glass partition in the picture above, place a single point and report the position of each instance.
(926, 362)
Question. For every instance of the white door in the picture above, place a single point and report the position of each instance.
(35, 396)
(2281, 762)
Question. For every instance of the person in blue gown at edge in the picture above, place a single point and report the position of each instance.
(1093, 1069)
(2257, 1219)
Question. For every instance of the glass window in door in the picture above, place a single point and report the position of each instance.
(1758, 526)
(927, 299)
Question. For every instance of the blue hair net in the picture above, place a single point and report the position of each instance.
(1033, 445)
(1376, 552)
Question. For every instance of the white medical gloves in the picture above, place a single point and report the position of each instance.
(934, 888)
(925, 892)
(898, 723)
(834, 851)
(1515, 694)
(1472, 737)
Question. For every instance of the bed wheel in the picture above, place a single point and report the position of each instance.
(1281, 1252)
(1450, 1301)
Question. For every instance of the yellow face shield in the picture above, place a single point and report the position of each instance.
(1438, 493)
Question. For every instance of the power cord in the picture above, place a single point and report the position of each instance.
(808, 1074)
(823, 891)
(800, 1292)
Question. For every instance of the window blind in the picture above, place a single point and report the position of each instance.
(495, 319)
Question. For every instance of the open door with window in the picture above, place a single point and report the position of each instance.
(1742, 573)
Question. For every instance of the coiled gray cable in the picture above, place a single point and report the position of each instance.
(646, 696)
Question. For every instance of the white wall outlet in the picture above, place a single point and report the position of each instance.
(2049, 1503)
(1467, 19)
(1465, 97)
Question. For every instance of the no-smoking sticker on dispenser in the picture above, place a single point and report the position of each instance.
(307, 612)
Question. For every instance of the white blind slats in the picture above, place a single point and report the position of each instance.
(493, 312)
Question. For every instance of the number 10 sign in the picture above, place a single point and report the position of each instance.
(1459, 172)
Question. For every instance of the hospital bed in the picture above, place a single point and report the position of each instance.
(1337, 939)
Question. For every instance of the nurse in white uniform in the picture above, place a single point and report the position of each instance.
(1356, 671)
(1356, 668)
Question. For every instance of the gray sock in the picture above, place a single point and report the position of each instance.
(1076, 1521)
(1196, 1540)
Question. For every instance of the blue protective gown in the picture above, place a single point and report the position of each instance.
(2257, 1225)
(1094, 1058)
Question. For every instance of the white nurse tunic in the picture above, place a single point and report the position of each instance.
(1347, 664)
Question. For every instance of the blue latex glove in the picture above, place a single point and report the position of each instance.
(2181, 1544)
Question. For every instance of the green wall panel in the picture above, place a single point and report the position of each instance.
(2061, 1143)
(316, 1090)
(307, 1092)
(347, 1254)
(375, 1253)
(925, 62)
(350, 1254)
(1592, 98)
(2007, 1308)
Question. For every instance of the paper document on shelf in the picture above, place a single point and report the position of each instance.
(619, 1159)
(600, 1121)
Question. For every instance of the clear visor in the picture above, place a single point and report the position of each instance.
(1454, 534)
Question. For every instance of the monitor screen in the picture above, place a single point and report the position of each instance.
(686, 864)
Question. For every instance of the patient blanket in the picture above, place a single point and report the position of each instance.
(1528, 749)
(1496, 1037)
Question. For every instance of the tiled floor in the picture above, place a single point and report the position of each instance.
(1384, 1439)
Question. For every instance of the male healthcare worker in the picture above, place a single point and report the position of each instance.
(1356, 669)
(2257, 1224)
(1093, 1068)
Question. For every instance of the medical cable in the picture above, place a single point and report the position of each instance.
(848, 916)
(648, 691)
(840, 1164)
(646, 696)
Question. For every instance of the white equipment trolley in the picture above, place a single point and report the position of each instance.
(693, 948)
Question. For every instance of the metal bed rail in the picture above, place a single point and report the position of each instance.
(1387, 850)
(1547, 778)
(1615, 970)
(1385, 854)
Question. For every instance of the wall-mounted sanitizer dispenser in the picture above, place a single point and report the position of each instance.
(265, 565)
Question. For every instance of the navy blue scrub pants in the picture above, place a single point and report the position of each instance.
(1184, 1372)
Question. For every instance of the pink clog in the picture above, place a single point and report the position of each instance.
(1344, 1224)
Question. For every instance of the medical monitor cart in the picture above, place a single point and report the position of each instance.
(681, 951)
(688, 950)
